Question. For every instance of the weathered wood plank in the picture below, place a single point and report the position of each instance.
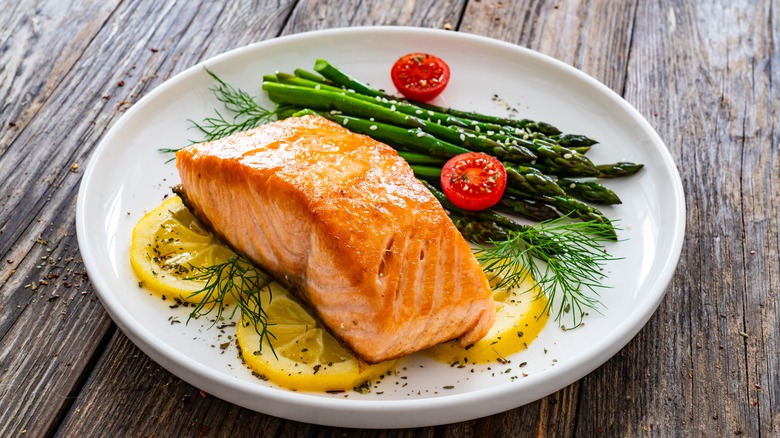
(106, 59)
(50, 323)
(701, 74)
(45, 354)
(324, 14)
(591, 35)
(29, 74)
(705, 75)
(130, 395)
(27, 80)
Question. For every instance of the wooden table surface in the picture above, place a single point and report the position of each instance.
(705, 74)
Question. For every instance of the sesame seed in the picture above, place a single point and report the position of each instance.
(567, 156)
(462, 137)
(430, 113)
(372, 127)
(317, 87)
(418, 112)
(392, 108)
(420, 134)
(572, 185)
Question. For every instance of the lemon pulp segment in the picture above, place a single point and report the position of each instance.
(307, 357)
(520, 316)
(168, 243)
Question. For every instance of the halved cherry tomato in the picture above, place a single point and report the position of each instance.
(420, 76)
(473, 181)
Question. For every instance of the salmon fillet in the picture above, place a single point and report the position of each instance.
(340, 220)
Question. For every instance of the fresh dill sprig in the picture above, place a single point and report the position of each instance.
(564, 258)
(238, 278)
(246, 112)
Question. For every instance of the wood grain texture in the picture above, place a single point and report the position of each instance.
(51, 325)
(51, 333)
(701, 74)
(324, 14)
(704, 74)
(593, 36)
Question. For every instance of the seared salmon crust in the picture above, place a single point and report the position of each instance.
(340, 220)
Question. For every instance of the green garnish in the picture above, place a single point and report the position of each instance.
(247, 113)
(572, 268)
(238, 278)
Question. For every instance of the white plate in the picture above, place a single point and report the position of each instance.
(127, 176)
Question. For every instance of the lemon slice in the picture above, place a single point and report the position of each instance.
(308, 358)
(167, 243)
(520, 316)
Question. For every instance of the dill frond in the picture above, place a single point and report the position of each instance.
(240, 279)
(246, 112)
(564, 258)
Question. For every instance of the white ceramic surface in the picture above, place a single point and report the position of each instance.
(127, 176)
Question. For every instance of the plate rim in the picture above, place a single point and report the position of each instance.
(189, 372)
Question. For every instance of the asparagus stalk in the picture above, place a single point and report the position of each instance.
(590, 191)
(488, 221)
(620, 169)
(530, 185)
(427, 173)
(512, 142)
(331, 72)
(483, 215)
(531, 182)
(414, 140)
(535, 211)
(552, 156)
(573, 140)
(478, 231)
(392, 103)
(604, 171)
(311, 76)
(326, 99)
(582, 150)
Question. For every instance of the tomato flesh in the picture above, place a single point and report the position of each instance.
(420, 76)
(473, 181)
